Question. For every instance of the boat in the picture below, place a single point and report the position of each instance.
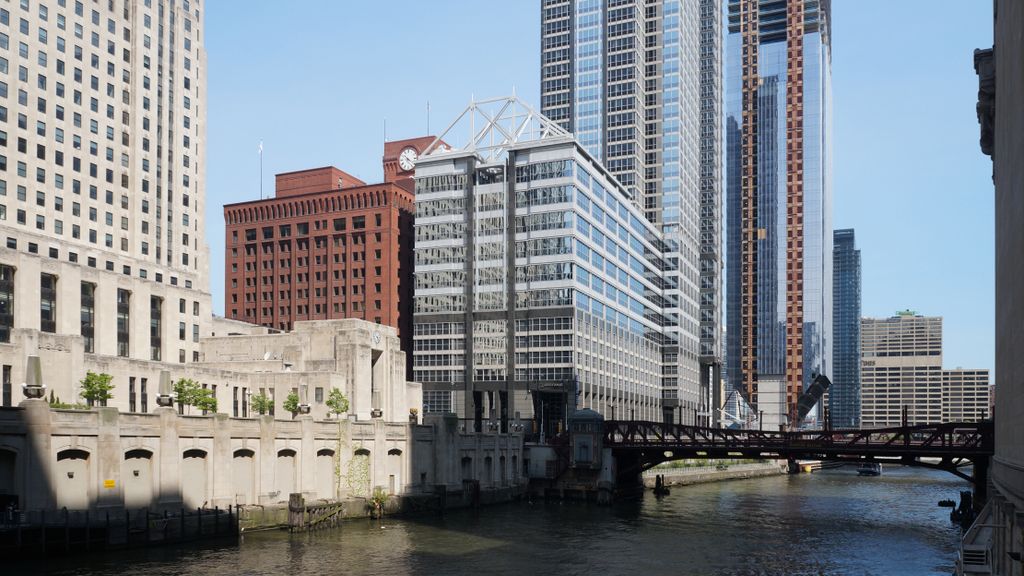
(870, 469)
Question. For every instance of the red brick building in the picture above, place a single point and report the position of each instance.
(327, 246)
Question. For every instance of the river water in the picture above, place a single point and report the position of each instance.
(829, 522)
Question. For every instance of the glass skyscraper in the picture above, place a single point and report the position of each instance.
(639, 85)
(778, 196)
(844, 395)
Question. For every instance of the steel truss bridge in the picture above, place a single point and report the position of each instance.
(639, 445)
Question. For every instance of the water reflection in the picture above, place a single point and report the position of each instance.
(831, 522)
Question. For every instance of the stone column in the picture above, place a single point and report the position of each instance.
(170, 458)
(344, 455)
(38, 457)
(266, 460)
(307, 458)
(379, 456)
(108, 459)
(221, 461)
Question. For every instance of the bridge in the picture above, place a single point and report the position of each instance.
(639, 445)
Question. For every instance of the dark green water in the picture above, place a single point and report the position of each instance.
(830, 522)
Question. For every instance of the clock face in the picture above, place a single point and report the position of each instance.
(407, 159)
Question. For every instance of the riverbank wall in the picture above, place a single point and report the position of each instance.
(703, 474)
(321, 514)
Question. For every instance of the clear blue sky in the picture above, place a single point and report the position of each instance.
(316, 81)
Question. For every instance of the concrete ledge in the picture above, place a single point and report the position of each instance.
(704, 474)
(270, 517)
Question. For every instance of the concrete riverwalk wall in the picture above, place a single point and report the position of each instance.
(103, 459)
(702, 474)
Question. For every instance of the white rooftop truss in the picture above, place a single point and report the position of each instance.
(490, 127)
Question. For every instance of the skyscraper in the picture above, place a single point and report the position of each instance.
(638, 84)
(102, 176)
(844, 395)
(778, 196)
(539, 286)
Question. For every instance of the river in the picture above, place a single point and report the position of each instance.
(829, 522)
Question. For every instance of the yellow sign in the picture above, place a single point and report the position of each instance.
(109, 484)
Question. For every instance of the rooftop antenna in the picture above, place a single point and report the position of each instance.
(261, 168)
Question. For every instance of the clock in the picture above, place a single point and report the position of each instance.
(407, 159)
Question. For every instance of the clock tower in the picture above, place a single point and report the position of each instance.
(400, 159)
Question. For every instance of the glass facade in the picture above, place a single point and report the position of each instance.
(772, 191)
(567, 293)
(844, 395)
(637, 83)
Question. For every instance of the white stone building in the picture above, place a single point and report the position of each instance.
(102, 158)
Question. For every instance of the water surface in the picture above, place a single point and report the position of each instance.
(829, 522)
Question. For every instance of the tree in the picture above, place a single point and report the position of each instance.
(261, 403)
(336, 402)
(291, 403)
(96, 388)
(189, 393)
(206, 401)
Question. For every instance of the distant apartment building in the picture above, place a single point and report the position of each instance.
(327, 246)
(844, 394)
(540, 286)
(901, 370)
(639, 84)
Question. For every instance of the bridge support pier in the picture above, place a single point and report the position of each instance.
(980, 483)
(792, 466)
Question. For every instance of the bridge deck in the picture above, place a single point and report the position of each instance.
(907, 443)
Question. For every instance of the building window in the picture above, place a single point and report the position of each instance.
(7, 386)
(156, 306)
(6, 302)
(48, 303)
(123, 321)
(143, 395)
(88, 315)
(131, 393)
